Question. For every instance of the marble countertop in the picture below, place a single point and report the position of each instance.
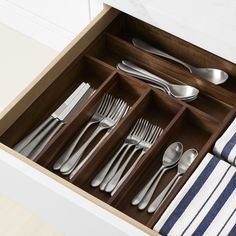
(210, 24)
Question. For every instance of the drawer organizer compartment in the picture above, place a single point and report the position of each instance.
(196, 124)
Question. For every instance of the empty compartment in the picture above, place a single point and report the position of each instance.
(127, 27)
(157, 109)
(193, 131)
(83, 70)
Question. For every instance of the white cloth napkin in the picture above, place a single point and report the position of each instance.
(225, 146)
(206, 205)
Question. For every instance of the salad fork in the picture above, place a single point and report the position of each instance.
(114, 115)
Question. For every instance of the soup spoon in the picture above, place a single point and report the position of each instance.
(212, 75)
(177, 91)
(169, 160)
(185, 161)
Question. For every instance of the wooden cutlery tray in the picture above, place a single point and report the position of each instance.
(197, 124)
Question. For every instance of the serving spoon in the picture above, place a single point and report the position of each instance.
(215, 76)
(169, 160)
(181, 92)
(185, 161)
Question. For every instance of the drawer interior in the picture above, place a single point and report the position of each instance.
(196, 124)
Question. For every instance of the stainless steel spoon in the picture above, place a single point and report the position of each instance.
(170, 159)
(177, 91)
(212, 75)
(185, 161)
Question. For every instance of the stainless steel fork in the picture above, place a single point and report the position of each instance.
(73, 173)
(109, 121)
(130, 141)
(150, 137)
(102, 111)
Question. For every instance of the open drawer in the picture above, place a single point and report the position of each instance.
(92, 57)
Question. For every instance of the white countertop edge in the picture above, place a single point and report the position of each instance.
(175, 25)
(26, 185)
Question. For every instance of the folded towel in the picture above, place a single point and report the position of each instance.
(206, 205)
(225, 146)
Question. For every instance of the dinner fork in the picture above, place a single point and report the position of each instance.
(145, 144)
(109, 121)
(95, 148)
(101, 112)
(130, 141)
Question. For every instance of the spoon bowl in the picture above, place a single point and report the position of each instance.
(214, 76)
(186, 160)
(180, 91)
(172, 154)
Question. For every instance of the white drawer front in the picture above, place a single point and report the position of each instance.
(57, 204)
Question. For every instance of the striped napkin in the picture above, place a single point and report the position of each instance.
(206, 205)
(225, 146)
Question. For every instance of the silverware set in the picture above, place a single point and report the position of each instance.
(212, 75)
(139, 140)
(107, 116)
(173, 156)
(185, 93)
(33, 143)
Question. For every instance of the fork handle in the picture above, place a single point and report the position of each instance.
(74, 159)
(27, 139)
(102, 174)
(28, 149)
(115, 179)
(138, 198)
(114, 169)
(122, 180)
(65, 156)
(88, 156)
(142, 205)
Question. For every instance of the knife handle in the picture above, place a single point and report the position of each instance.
(26, 140)
(36, 141)
(45, 141)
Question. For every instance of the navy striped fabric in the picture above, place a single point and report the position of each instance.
(216, 207)
(189, 196)
(227, 221)
(203, 205)
(207, 200)
(233, 231)
(228, 148)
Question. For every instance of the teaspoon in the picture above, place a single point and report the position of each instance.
(170, 159)
(212, 75)
(177, 91)
(185, 161)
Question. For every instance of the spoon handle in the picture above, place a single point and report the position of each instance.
(138, 198)
(150, 79)
(144, 72)
(142, 205)
(149, 48)
(156, 203)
